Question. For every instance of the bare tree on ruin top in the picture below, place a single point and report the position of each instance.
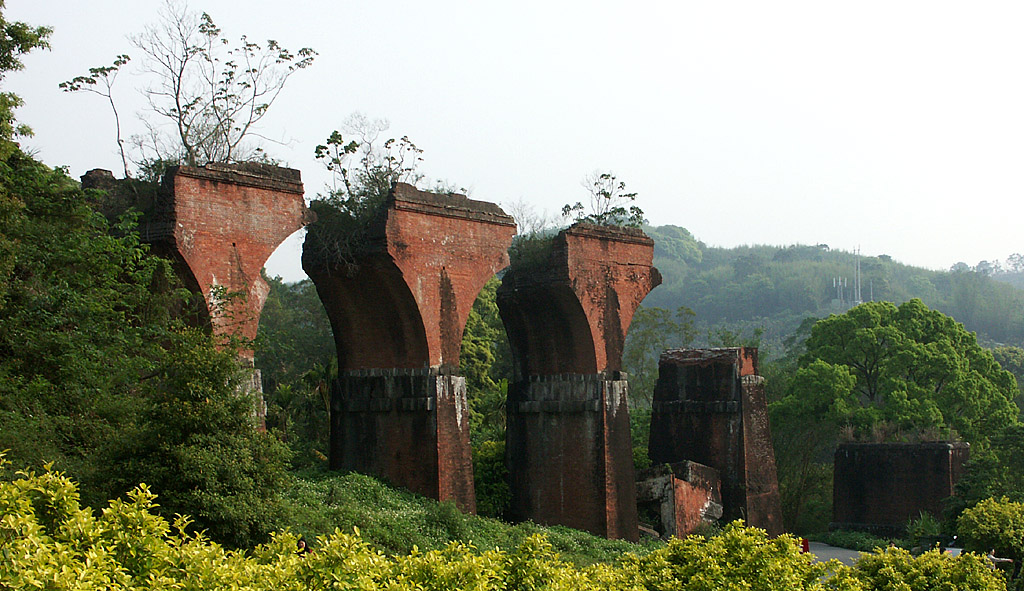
(610, 203)
(207, 93)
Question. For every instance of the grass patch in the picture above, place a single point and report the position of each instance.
(854, 540)
(395, 521)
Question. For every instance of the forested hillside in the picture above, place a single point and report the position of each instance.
(775, 287)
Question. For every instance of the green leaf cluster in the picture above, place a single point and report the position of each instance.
(99, 375)
(881, 372)
(48, 541)
(16, 39)
(363, 174)
(915, 369)
(610, 203)
(85, 310)
(994, 524)
(895, 569)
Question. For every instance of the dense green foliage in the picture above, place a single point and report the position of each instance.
(195, 442)
(995, 472)
(51, 542)
(881, 372)
(485, 360)
(74, 296)
(395, 521)
(16, 39)
(915, 369)
(994, 524)
(296, 356)
(776, 287)
(99, 376)
(896, 569)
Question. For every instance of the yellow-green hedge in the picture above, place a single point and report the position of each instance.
(48, 541)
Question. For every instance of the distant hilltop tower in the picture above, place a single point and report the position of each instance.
(842, 298)
(857, 299)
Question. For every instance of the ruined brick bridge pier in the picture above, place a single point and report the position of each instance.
(568, 444)
(398, 308)
(218, 224)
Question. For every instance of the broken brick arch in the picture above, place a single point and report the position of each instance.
(568, 446)
(548, 332)
(218, 224)
(374, 317)
(398, 311)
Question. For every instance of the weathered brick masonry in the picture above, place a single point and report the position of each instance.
(877, 487)
(220, 223)
(568, 444)
(398, 312)
(709, 407)
(685, 495)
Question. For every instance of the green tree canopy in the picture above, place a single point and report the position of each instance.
(915, 369)
(16, 39)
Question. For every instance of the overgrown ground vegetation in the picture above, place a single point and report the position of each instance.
(52, 542)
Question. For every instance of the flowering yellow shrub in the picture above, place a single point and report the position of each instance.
(49, 541)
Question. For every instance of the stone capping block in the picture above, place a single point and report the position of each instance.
(557, 406)
(392, 403)
(406, 197)
(403, 404)
(604, 376)
(745, 358)
(398, 372)
(552, 400)
(248, 174)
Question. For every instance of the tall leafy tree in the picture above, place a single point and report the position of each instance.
(209, 93)
(916, 369)
(84, 311)
(805, 426)
(206, 94)
(195, 443)
(16, 39)
(876, 372)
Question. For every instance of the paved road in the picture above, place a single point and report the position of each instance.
(825, 552)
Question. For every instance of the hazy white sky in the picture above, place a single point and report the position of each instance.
(895, 126)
